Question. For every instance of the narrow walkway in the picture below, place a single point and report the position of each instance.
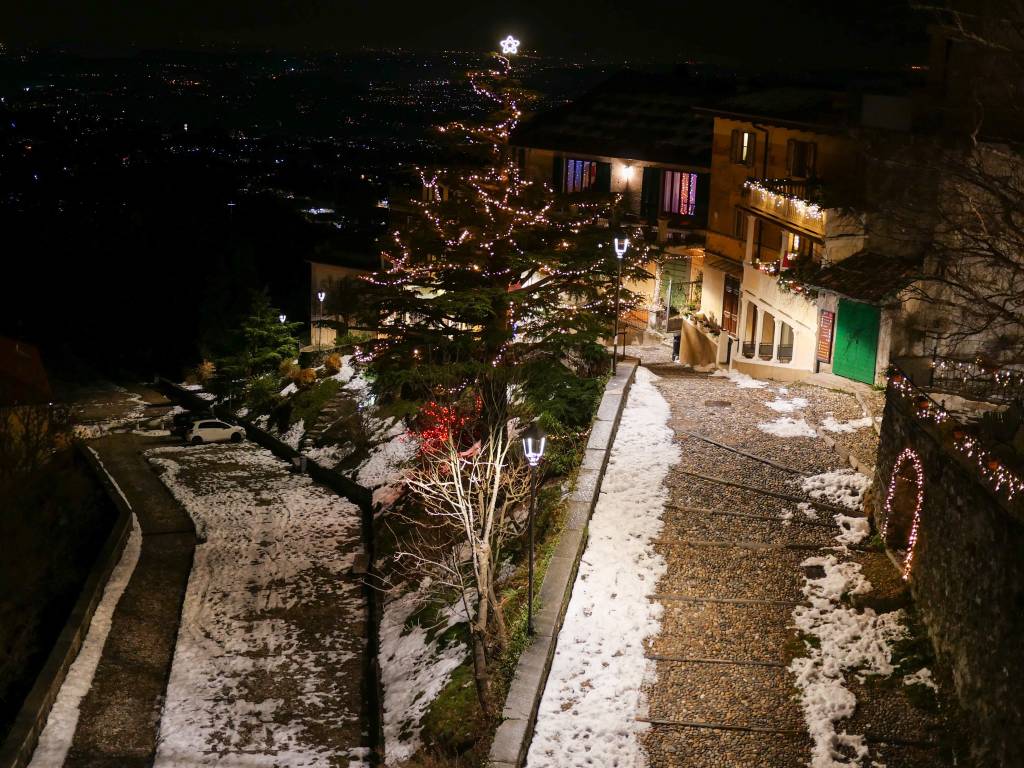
(723, 695)
(120, 714)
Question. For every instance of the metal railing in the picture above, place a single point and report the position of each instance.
(764, 351)
(976, 380)
(785, 353)
(748, 349)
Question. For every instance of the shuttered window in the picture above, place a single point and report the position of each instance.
(744, 147)
(800, 157)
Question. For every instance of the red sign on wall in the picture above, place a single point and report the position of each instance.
(825, 322)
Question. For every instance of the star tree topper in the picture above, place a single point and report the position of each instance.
(510, 45)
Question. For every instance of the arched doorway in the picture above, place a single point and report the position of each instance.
(903, 501)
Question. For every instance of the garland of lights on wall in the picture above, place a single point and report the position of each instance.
(802, 206)
(969, 369)
(911, 456)
(989, 467)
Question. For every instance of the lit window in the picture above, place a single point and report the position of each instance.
(580, 175)
(679, 192)
(744, 144)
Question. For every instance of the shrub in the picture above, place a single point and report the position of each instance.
(306, 378)
(261, 396)
(332, 364)
(205, 372)
(286, 367)
(291, 372)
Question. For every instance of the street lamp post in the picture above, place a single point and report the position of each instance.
(620, 251)
(534, 440)
(320, 323)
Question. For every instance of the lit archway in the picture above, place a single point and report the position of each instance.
(903, 501)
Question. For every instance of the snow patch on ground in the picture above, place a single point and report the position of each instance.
(853, 530)
(588, 712)
(741, 380)
(832, 425)
(414, 670)
(923, 677)
(387, 460)
(809, 512)
(259, 679)
(787, 406)
(844, 487)
(788, 427)
(293, 436)
(55, 740)
(290, 389)
(848, 640)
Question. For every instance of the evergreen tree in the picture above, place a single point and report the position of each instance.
(259, 343)
(495, 275)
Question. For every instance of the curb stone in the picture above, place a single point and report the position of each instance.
(519, 715)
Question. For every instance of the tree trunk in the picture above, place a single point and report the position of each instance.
(499, 620)
(480, 674)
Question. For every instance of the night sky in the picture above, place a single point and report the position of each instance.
(798, 33)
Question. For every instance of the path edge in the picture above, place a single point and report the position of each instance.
(519, 715)
(21, 741)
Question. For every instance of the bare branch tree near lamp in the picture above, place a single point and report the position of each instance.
(620, 251)
(320, 323)
(534, 440)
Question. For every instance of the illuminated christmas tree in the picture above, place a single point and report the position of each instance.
(496, 277)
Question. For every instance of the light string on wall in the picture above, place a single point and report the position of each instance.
(910, 455)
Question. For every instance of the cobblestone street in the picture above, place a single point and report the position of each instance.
(723, 694)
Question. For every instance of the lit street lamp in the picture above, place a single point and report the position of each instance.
(320, 323)
(620, 251)
(282, 318)
(534, 440)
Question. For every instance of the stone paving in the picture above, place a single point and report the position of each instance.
(722, 695)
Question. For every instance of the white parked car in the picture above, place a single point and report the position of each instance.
(213, 431)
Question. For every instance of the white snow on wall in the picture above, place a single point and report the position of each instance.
(55, 740)
(593, 694)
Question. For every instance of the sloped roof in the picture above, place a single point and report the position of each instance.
(636, 116)
(812, 107)
(867, 276)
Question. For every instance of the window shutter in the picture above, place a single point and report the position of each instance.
(558, 173)
(752, 151)
(790, 156)
(812, 151)
(604, 178)
(650, 193)
(734, 151)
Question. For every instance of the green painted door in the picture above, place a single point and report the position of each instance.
(856, 344)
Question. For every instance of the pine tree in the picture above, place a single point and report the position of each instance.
(259, 343)
(494, 275)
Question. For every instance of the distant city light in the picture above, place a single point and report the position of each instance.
(383, 203)
(319, 211)
(510, 45)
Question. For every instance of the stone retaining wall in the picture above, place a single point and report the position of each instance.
(967, 580)
(17, 749)
(512, 739)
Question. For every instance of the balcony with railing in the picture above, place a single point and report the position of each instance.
(788, 202)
